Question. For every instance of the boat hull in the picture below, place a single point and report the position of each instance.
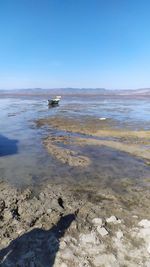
(53, 102)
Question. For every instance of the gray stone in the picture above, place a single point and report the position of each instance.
(113, 219)
(89, 238)
(63, 264)
(97, 221)
(102, 231)
(7, 215)
(49, 211)
(2, 205)
(107, 260)
(144, 223)
(119, 234)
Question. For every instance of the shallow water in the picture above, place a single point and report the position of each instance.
(24, 161)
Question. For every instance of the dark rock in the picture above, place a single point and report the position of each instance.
(2, 205)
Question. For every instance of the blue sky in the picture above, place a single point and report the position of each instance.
(74, 43)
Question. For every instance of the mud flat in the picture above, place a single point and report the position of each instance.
(61, 225)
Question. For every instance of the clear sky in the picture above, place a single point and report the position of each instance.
(74, 43)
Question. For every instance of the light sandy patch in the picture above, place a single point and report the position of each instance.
(67, 156)
(123, 133)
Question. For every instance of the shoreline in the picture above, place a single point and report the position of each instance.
(105, 226)
(79, 224)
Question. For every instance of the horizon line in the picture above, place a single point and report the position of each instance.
(75, 88)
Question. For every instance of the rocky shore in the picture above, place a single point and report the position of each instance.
(68, 225)
(79, 224)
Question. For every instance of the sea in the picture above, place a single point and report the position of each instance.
(24, 160)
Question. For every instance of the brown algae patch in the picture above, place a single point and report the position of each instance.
(136, 143)
(132, 149)
(93, 127)
(65, 155)
(83, 125)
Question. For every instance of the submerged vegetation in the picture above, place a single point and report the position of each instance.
(97, 133)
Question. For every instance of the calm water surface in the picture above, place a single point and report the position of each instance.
(24, 161)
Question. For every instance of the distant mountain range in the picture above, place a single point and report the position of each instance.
(76, 91)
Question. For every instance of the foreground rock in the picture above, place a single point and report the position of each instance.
(61, 225)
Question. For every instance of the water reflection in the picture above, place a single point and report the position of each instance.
(7, 146)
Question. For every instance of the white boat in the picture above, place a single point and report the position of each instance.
(54, 101)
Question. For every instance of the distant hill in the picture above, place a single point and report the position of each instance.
(62, 91)
(142, 91)
(76, 91)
